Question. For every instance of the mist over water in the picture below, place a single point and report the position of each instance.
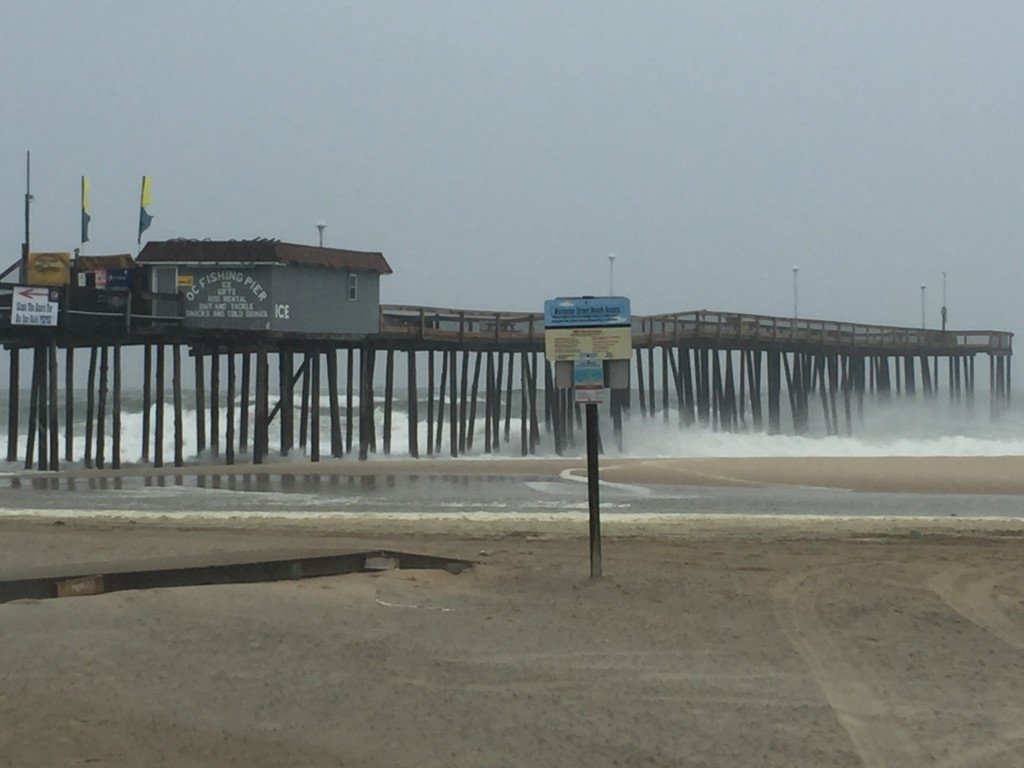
(901, 427)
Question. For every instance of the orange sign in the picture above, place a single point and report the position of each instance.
(48, 269)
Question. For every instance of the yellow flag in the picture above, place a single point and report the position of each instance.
(86, 207)
(145, 219)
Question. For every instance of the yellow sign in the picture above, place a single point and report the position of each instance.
(48, 269)
(186, 281)
(614, 343)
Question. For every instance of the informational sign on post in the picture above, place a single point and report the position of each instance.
(588, 378)
(593, 334)
(34, 306)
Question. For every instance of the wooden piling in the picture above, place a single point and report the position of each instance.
(651, 403)
(176, 404)
(453, 401)
(243, 405)
(774, 358)
(508, 397)
(439, 431)
(349, 410)
(686, 372)
(332, 395)
(463, 403)
(101, 408)
(496, 431)
(261, 409)
(147, 398)
(90, 405)
(664, 384)
(412, 405)
(641, 394)
(13, 392)
(489, 402)
(52, 415)
(389, 398)
(229, 432)
(33, 405)
(531, 374)
(473, 395)
(365, 403)
(42, 410)
(286, 393)
(69, 403)
(430, 402)
(200, 375)
(115, 427)
(158, 426)
(314, 410)
(304, 403)
(524, 436)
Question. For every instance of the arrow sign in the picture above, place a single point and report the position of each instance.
(33, 306)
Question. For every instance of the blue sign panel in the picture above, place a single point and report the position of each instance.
(586, 312)
(588, 371)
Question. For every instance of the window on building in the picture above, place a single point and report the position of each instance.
(353, 287)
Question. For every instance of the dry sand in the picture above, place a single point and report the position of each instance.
(711, 642)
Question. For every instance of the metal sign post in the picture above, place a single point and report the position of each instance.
(592, 335)
(593, 492)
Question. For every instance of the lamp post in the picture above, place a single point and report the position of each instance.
(796, 271)
(943, 301)
(922, 305)
(611, 274)
(321, 226)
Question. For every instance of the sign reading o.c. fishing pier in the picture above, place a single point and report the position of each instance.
(227, 294)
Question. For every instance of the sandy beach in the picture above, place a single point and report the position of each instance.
(712, 641)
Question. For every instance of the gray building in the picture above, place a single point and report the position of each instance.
(264, 285)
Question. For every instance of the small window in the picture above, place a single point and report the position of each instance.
(353, 287)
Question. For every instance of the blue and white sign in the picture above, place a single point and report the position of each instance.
(588, 378)
(588, 371)
(586, 312)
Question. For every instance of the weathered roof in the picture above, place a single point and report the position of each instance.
(117, 261)
(260, 252)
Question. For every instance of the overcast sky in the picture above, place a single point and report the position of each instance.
(497, 152)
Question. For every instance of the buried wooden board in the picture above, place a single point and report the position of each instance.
(74, 585)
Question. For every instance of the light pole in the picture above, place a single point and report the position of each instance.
(321, 226)
(922, 305)
(796, 270)
(611, 274)
(943, 301)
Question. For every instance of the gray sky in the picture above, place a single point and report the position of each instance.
(497, 152)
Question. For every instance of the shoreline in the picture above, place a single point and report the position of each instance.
(987, 475)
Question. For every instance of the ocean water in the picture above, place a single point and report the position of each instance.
(902, 427)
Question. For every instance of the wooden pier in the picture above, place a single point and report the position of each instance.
(717, 370)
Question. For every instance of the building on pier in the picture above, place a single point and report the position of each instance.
(264, 285)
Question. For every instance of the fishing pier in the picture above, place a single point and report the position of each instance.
(273, 328)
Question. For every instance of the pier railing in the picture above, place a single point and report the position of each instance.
(134, 311)
(457, 325)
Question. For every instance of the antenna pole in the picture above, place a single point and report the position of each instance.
(28, 203)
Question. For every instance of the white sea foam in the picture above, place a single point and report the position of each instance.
(902, 428)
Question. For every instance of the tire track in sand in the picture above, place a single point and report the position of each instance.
(868, 720)
(970, 593)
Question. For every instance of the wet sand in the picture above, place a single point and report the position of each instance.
(901, 474)
(717, 642)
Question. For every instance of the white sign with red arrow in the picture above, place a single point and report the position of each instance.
(33, 306)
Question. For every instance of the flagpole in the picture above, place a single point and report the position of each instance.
(28, 202)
